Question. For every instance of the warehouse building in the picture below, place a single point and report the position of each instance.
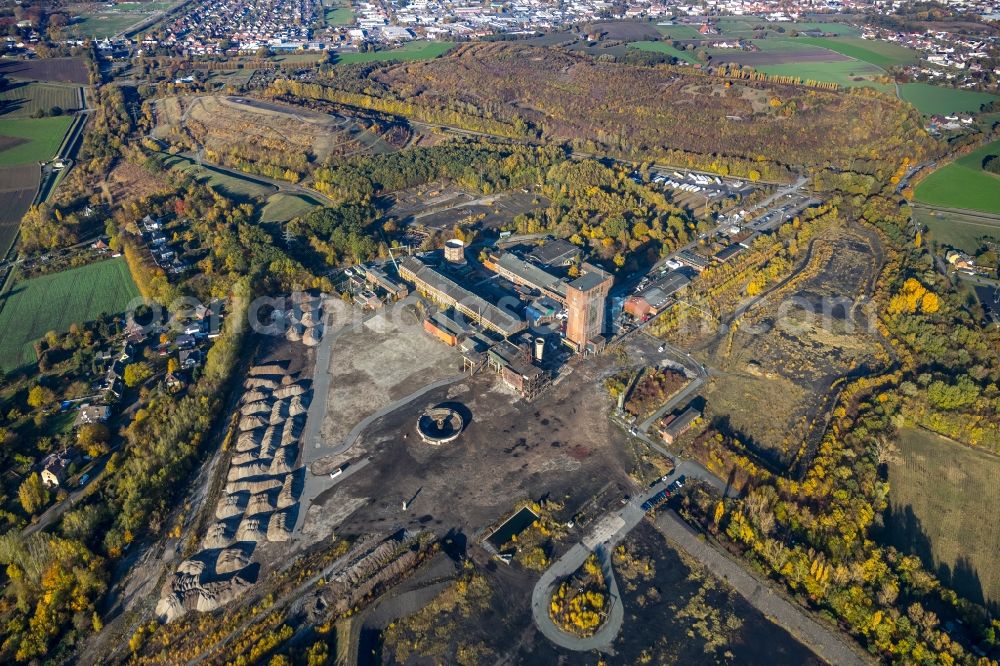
(511, 267)
(680, 425)
(657, 297)
(445, 291)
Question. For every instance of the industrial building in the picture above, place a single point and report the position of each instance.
(446, 327)
(513, 363)
(375, 277)
(447, 292)
(556, 253)
(653, 300)
(511, 267)
(680, 425)
(585, 301)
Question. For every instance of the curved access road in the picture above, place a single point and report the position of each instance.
(546, 586)
(601, 540)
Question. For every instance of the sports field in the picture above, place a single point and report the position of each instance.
(966, 231)
(419, 50)
(845, 72)
(882, 54)
(943, 499)
(664, 47)
(26, 140)
(963, 183)
(21, 100)
(937, 100)
(283, 207)
(237, 187)
(52, 302)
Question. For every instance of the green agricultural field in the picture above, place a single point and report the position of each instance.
(283, 207)
(942, 500)
(21, 100)
(962, 230)
(879, 53)
(849, 73)
(237, 187)
(32, 308)
(419, 50)
(937, 100)
(679, 31)
(664, 47)
(963, 184)
(27, 140)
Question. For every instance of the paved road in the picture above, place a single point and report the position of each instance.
(601, 540)
(827, 643)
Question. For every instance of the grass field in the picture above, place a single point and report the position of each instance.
(26, 140)
(943, 499)
(744, 27)
(229, 185)
(338, 12)
(679, 31)
(283, 207)
(963, 184)
(99, 25)
(52, 302)
(882, 54)
(964, 231)
(664, 47)
(419, 50)
(930, 99)
(846, 72)
(20, 100)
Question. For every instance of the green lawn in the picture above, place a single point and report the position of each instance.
(419, 50)
(229, 185)
(964, 231)
(21, 100)
(937, 100)
(846, 72)
(679, 31)
(283, 207)
(664, 47)
(963, 184)
(42, 137)
(52, 302)
(882, 54)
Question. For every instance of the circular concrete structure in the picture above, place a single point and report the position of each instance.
(440, 425)
(454, 251)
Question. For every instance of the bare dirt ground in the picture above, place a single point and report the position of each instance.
(786, 355)
(387, 358)
(561, 445)
(219, 122)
